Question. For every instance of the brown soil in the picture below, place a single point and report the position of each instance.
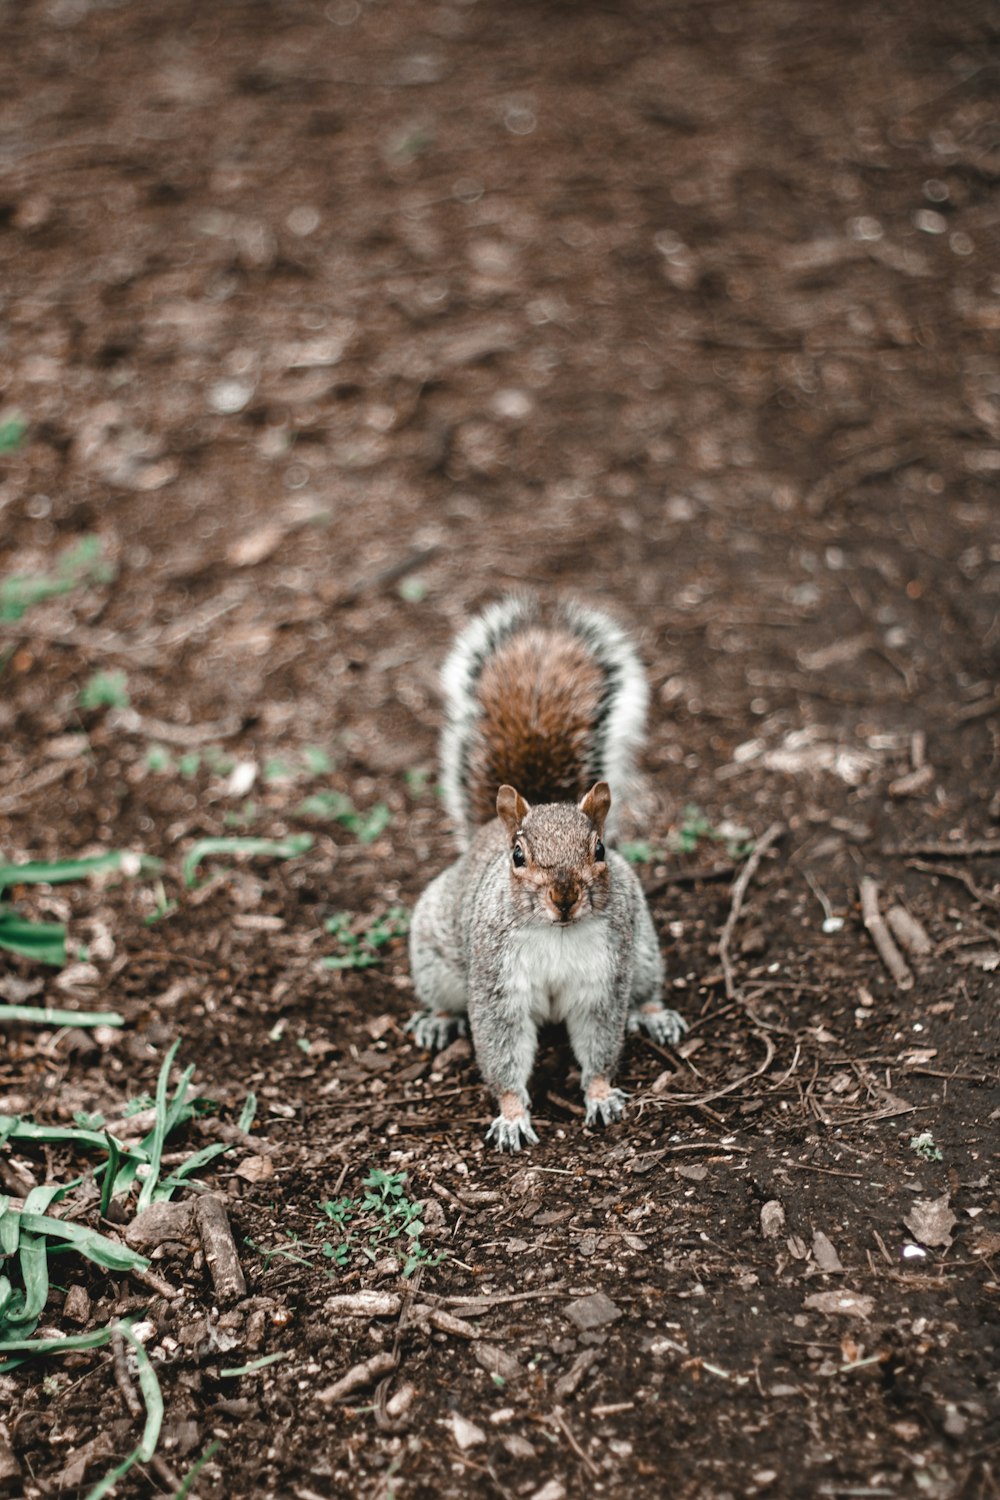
(332, 321)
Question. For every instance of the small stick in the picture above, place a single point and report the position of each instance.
(945, 848)
(357, 1377)
(220, 1248)
(739, 892)
(567, 1433)
(881, 936)
(123, 1379)
(155, 1283)
(721, 871)
(980, 710)
(908, 932)
(696, 1101)
(962, 876)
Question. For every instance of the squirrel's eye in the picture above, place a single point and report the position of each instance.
(518, 857)
(599, 851)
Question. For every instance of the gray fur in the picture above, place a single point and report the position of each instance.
(567, 938)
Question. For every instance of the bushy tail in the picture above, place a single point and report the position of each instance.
(549, 704)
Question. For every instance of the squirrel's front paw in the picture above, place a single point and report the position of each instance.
(433, 1029)
(606, 1106)
(506, 1134)
(666, 1027)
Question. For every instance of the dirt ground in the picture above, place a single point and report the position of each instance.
(332, 321)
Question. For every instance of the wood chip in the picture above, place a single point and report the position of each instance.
(220, 1248)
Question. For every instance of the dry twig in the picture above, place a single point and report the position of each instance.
(986, 898)
(881, 936)
(736, 906)
(220, 1248)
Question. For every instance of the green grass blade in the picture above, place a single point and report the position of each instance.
(96, 1247)
(110, 1172)
(153, 1397)
(277, 848)
(167, 1186)
(61, 1345)
(41, 1015)
(33, 1256)
(10, 1226)
(192, 1474)
(247, 1113)
(255, 1364)
(12, 430)
(13, 1128)
(154, 1141)
(58, 871)
(44, 942)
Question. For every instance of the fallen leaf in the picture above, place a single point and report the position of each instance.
(845, 1304)
(931, 1221)
(825, 1255)
(255, 1168)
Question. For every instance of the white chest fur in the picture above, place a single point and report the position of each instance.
(555, 970)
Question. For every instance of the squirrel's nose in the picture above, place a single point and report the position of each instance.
(564, 898)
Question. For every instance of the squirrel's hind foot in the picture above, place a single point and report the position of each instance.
(606, 1107)
(506, 1134)
(434, 1029)
(666, 1027)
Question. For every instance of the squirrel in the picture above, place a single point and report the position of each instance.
(538, 919)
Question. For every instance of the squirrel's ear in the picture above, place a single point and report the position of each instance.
(511, 809)
(596, 804)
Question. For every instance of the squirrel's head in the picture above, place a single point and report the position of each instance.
(558, 865)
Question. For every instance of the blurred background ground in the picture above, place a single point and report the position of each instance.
(330, 322)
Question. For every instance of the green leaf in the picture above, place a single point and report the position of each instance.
(277, 848)
(167, 1186)
(41, 1015)
(87, 1242)
(80, 564)
(326, 805)
(317, 760)
(154, 1141)
(45, 942)
(12, 430)
(153, 1397)
(184, 1487)
(68, 1345)
(104, 690)
(255, 1364)
(13, 1128)
(10, 1226)
(57, 872)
